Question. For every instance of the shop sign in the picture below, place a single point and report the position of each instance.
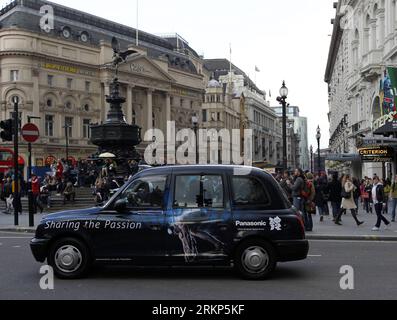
(377, 154)
(68, 69)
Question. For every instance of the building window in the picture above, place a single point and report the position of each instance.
(50, 80)
(154, 120)
(133, 117)
(49, 103)
(86, 107)
(182, 102)
(14, 75)
(86, 129)
(68, 105)
(20, 119)
(69, 126)
(204, 115)
(87, 86)
(69, 83)
(49, 126)
(219, 116)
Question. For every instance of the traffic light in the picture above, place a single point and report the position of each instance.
(7, 131)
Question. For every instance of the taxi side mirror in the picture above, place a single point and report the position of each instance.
(120, 205)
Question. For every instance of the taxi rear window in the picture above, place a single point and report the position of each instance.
(199, 191)
(249, 191)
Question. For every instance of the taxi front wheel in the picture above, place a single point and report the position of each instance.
(70, 258)
(255, 260)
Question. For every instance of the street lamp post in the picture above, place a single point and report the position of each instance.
(318, 137)
(311, 160)
(282, 100)
(195, 122)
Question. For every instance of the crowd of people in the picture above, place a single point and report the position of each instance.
(320, 195)
(62, 179)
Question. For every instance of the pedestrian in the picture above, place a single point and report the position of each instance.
(309, 195)
(356, 193)
(319, 198)
(8, 196)
(335, 196)
(368, 196)
(69, 193)
(387, 190)
(378, 196)
(36, 194)
(348, 202)
(299, 195)
(393, 197)
(285, 182)
(296, 187)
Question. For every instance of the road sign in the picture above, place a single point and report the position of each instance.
(30, 133)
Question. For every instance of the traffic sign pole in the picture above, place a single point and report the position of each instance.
(30, 133)
(17, 199)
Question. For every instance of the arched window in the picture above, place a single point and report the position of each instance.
(376, 109)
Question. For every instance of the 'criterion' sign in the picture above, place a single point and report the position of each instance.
(377, 154)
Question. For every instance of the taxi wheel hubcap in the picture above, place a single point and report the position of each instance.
(255, 259)
(68, 259)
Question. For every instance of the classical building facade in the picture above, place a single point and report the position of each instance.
(63, 74)
(363, 45)
(234, 101)
(300, 129)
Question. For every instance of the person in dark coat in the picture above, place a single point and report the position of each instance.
(320, 200)
(335, 196)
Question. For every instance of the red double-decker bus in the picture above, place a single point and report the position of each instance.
(7, 160)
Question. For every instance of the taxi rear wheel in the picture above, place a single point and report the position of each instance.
(255, 260)
(70, 258)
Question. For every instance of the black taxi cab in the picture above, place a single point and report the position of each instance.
(180, 216)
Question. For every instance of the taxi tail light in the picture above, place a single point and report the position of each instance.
(301, 221)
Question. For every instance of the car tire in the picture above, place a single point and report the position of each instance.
(70, 258)
(255, 260)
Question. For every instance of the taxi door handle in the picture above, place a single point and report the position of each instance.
(155, 228)
(223, 227)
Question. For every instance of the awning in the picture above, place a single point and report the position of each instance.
(388, 129)
(344, 157)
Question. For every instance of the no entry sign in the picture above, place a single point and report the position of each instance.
(30, 133)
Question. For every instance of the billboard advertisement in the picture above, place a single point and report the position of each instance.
(388, 98)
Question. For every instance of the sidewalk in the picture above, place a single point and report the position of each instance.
(326, 230)
(7, 222)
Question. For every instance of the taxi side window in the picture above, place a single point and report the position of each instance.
(146, 193)
(250, 192)
(199, 192)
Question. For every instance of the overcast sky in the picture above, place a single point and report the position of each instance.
(287, 39)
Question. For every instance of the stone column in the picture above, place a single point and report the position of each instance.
(78, 124)
(149, 110)
(129, 104)
(167, 107)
